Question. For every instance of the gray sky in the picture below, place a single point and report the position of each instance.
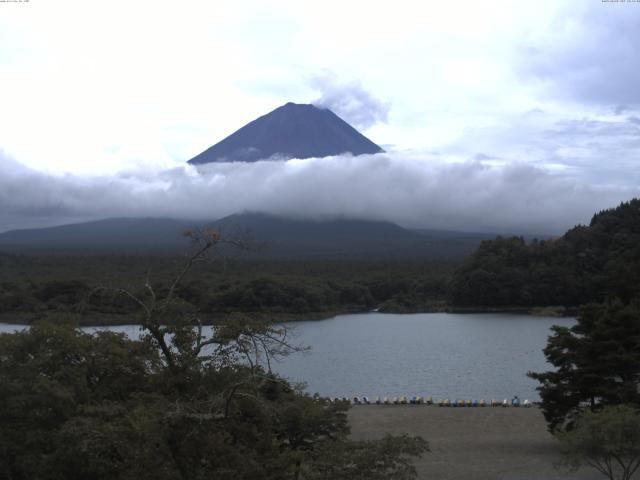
(509, 115)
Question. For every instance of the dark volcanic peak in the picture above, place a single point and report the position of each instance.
(291, 131)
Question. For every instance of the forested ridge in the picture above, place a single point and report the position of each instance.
(587, 264)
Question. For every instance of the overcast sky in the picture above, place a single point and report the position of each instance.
(509, 115)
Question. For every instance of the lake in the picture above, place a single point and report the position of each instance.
(438, 354)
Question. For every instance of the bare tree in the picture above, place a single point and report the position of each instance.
(176, 329)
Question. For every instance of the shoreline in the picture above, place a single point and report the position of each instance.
(214, 319)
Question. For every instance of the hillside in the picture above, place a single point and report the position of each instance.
(281, 236)
(109, 235)
(276, 238)
(587, 264)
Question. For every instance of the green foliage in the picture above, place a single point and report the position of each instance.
(51, 373)
(391, 457)
(174, 405)
(597, 363)
(68, 292)
(587, 264)
(607, 440)
(508, 272)
(32, 290)
(74, 405)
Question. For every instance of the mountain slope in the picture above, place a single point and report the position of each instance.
(277, 237)
(290, 131)
(587, 264)
(292, 237)
(112, 234)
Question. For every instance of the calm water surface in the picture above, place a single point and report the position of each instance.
(438, 354)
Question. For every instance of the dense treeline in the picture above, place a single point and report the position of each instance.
(80, 406)
(587, 264)
(51, 287)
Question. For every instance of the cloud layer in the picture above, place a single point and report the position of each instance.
(350, 101)
(590, 54)
(414, 192)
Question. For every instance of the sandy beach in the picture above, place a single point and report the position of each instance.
(471, 443)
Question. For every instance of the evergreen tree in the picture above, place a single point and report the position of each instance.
(597, 363)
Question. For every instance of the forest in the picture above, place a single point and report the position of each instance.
(34, 287)
(587, 264)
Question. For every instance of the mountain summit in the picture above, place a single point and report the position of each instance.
(290, 131)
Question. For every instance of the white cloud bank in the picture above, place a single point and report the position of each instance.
(414, 192)
(350, 101)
